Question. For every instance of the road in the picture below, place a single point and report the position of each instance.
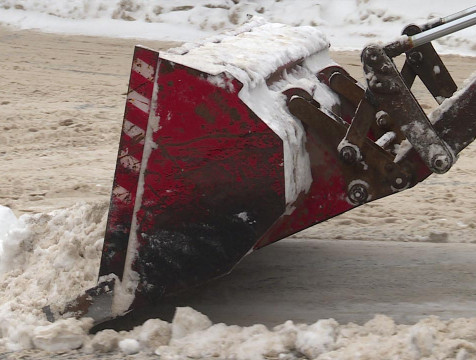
(305, 280)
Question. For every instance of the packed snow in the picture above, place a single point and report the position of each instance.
(349, 24)
(49, 258)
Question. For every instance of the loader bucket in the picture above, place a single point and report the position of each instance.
(209, 168)
(237, 142)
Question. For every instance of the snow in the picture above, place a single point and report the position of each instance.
(349, 24)
(386, 139)
(103, 342)
(129, 346)
(187, 321)
(447, 103)
(48, 259)
(62, 335)
(7, 221)
(33, 282)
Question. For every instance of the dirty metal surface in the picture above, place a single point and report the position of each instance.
(425, 63)
(213, 183)
(394, 97)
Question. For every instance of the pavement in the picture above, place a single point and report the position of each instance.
(305, 280)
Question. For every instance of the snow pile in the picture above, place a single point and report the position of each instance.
(48, 259)
(57, 256)
(379, 338)
(8, 221)
(349, 24)
(325, 339)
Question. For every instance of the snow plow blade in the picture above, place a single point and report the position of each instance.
(230, 145)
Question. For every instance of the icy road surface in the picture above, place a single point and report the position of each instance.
(347, 280)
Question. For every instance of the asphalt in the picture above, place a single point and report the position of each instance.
(305, 280)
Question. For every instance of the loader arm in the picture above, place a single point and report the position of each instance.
(222, 154)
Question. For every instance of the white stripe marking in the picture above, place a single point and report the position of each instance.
(144, 69)
(133, 131)
(122, 193)
(139, 101)
(129, 161)
(130, 279)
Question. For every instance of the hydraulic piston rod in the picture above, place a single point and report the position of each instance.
(448, 19)
(443, 30)
(409, 42)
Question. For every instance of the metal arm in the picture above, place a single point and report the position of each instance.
(406, 43)
(448, 19)
(443, 30)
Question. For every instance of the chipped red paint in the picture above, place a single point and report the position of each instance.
(213, 182)
(213, 185)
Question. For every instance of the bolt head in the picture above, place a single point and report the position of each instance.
(400, 182)
(384, 121)
(441, 164)
(415, 57)
(348, 154)
(358, 194)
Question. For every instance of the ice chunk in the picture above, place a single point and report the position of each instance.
(187, 321)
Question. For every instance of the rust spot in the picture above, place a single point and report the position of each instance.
(166, 67)
(221, 102)
(234, 114)
(202, 111)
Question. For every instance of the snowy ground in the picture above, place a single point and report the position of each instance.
(349, 24)
(61, 107)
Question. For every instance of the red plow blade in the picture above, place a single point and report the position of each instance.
(201, 178)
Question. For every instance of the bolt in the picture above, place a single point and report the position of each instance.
(441, 163)
(358, 194)
(348, 154)
(383, 120)
(400, 182)
(415, 57)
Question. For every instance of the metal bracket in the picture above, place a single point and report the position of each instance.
(349, 89)
(394, 97)
(349, 147)
(425, 63)
(95, 303)
(375, 176)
